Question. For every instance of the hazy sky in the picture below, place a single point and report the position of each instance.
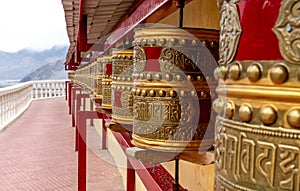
(35, 24)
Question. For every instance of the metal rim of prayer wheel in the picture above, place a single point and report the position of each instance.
(172, 98)
(122, 83)
(106, 81)
(258, 122)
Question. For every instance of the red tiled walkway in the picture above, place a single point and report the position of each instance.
(37, 151)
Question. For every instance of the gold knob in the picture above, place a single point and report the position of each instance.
(254, 72)
(293, 118)
(245, 113)
(279, 74)
(268, 115)
(229, 110)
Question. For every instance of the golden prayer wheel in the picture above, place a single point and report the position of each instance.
(172, 97)
(106, 82)
(258, 105)
(99, 74)
(122, 83)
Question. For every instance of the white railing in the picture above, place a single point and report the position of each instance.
(14, 100)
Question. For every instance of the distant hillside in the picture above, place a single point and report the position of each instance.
(51, 71)
(18, 65)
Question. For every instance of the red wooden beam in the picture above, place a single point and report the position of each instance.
(158, 180)
(144, 10)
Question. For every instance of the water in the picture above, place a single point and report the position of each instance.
(5, 83)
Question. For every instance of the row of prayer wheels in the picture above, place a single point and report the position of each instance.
(161, 89)
(164, 90)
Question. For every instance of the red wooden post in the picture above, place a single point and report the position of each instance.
(70, 84)
(103, 133)
(82, 151)
(78, 104)
(83, 116)
(92, 108)
(130, 177)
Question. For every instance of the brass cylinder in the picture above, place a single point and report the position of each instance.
(172, 98)
(106, 82)
(122, 83)
(99, 75)
(258, 104)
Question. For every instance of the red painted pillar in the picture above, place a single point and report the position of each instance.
(104, 129)
(130, 177)
(82, 151)
(70, 84)
(73, 109)
(83, 116)
(78, 104)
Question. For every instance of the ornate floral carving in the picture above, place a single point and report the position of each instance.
(170, 58)
(230, 32)
(139, 59)
(287, 30)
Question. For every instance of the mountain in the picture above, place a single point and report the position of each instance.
(18, 65)
(51, 71)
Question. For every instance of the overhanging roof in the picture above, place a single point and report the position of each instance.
(102, 16)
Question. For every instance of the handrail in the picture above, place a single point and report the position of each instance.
(14, 100)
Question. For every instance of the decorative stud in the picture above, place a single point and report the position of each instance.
(173, 93)
(169, 77)
(268, 115)
(224, 70)
(182, 93)
(203, 94)
(152, 41)
(293, 118)
(234, 71)
(200, 78)
(173, 41)
(162, 41)
(143, 93)
(142, 76)
(133, 91)
(158, 77)
(144, 42)
(229, 110)
(217, 73)
(189, 77)
(194, 42)
(151, 93)
(149, 76)
(218, 105)
(279, 74)
(193, 93)
(182, 41)
(138, 92)
(245, 113)
(254, 72)
(179, 77)
(162, 93)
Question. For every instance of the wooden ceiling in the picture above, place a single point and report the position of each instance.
(102, 16)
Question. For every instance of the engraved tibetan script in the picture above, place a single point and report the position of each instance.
(242, 158)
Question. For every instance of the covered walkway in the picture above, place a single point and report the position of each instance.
(37, 153)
